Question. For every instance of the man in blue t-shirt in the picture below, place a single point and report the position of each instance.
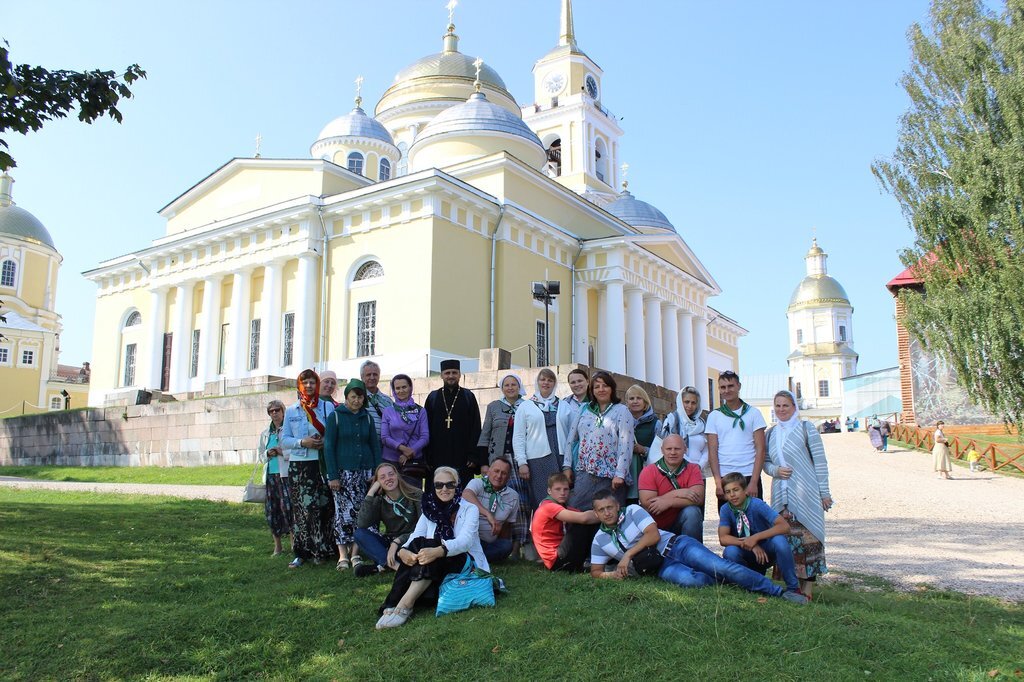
(753, 534)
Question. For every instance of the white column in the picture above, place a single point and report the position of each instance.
(209, 331)
(238, 355)
(616, 328)
(581, 321)
(157, 303)
(652, 341)
(182, 348)
(270, 315)
(305, 314)
(700, 352)
(670, 354)
(602, 328)
(636, 366)
(686, 375)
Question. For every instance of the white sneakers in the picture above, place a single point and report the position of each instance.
(394, 618)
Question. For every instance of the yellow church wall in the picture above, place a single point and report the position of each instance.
(34, 279)
(459, 303)
(516, 311)
(20, 385)
(226, 287)
(727, 350)
(256, 296)
(197, 306)
(554, 207)
(249, 189)
(289, 278)
(111, 312)
(171, 309)
(442, 153)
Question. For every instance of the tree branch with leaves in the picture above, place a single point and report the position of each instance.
(32, 95)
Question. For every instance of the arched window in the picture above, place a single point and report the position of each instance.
(7, 275)
(133, 320)
(355, 162)
(384, 170)
(600, 160)
(369, 270)
(554, 152)
(403, 160)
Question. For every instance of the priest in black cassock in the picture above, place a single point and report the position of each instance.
(454, 420)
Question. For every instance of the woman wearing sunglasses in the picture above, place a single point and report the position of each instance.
(446, 531)
(278, 507)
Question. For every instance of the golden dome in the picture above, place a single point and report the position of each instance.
(818, 290)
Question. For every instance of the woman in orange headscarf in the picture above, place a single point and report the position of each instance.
(312, 504)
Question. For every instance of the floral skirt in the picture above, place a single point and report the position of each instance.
(808, 551)
(354, 485)
(278, 507)
(312, 512)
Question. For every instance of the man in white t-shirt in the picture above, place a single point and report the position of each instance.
(735, 433)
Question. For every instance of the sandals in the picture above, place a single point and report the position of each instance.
(344, 564)
(296, 563)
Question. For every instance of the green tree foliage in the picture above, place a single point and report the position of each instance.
(31, 95)
(958, 173)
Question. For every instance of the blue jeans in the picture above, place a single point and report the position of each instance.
(374, 544)
(690, 522)
(779, 552)
(691, 564)
(499, 550)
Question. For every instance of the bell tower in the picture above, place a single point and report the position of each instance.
(580, 135)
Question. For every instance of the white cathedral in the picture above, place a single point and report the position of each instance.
(821, 337)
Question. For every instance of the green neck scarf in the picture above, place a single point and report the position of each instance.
(736, 418)
(492, 503)
(614, 531)
(742, 522)
(596, 409)
(668, 473)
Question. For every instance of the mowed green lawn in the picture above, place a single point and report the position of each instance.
(235, 474)
(129, 587)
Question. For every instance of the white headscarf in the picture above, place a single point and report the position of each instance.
(688, 426)
(784, 429)
(546, 404)
(521, 391)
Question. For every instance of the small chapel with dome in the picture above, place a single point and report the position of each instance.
(821, 336)
(413, 235)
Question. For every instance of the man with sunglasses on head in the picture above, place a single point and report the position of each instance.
(736, 442)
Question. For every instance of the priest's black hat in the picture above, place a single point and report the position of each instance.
(450, 364)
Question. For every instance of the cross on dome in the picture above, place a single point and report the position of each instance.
(625, 171)
(478, 64)
(359, 91)
(452, 4)
(259, 142)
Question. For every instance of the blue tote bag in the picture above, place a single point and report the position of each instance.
(460, 591)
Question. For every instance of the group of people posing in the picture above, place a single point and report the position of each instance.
(586, 481)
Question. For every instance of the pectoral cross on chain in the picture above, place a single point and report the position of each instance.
(448, 422)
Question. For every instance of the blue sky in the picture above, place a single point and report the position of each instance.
(747, 123)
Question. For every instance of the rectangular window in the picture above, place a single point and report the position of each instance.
(7, 276)
(842, 332)
(542, 346)
(5, 356)
(193, 368)
(799, 391)
(254, 344)
(288, 340)
(823, 388)
(366, 329)
(799, 335)
(129, 364)
(222, 356)
(28, 357)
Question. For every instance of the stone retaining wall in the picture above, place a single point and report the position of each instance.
(205, 431)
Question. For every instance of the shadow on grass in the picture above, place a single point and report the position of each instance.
(98, 586)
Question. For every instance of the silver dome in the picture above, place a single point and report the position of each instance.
(632, 211)
(478, 115)
(356, 124)
(18, 223)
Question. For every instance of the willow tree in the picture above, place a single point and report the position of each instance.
(958, 174)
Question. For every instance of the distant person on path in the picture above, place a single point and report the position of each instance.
(973, 458)
(352, 450)
(499, 507)
(800, 491)
(312, 507)
(278, 507)
(390, 501)
(535, 437)
(604, 430)
(690, 422)
(645, 427)
(735, 433)
(328, 386)
(562, 534)
(496, 441)
(569, 410)
(630, 537)
(376, 400)
(754, 535)
(885, 431)
(445, 533)
(875, 433)
(404, 433)
(940, 453)
(672, 491)
(453, 419)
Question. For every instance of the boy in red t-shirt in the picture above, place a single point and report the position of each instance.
(672, 491)
(561, 534)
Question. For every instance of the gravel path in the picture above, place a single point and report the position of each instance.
(893, 518)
